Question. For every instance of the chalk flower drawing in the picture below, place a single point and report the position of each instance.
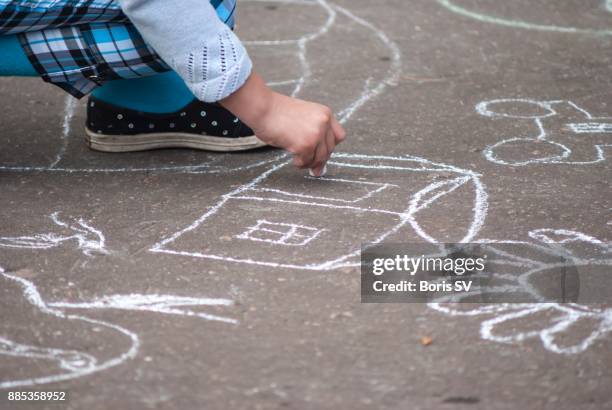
(549, 322)
(544, 115)
(70, 364)
(87, 238)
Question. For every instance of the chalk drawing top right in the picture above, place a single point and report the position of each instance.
(557, 132)
(542, 16)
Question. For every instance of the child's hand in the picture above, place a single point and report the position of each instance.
(308, 130)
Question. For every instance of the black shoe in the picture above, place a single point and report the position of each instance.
(199, 125)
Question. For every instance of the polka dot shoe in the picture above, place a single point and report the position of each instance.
(199, 125)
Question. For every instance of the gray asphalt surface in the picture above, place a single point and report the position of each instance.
(167, 313)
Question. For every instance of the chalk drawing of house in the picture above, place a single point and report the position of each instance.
(287, 220)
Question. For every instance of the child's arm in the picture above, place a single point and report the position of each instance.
(308, 130)
(215, 66)
(194, 42)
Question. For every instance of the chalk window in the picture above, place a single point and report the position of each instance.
(280, 233)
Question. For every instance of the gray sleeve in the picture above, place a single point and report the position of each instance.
(191, 39)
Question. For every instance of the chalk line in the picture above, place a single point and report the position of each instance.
(591, 128)
(379, 187)
(70, 360)
(69, 105)
(88, 239)
(392, 75)
(166, 304)
(32, 295)
(520, 24)
(182, 169)
(279, 83)
(303, 43)
(307, 37)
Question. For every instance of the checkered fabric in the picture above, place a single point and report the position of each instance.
(80, 44)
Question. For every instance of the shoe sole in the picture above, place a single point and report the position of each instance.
(146, 142)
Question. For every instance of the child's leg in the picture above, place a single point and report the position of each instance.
(14, 61)
(161, 93)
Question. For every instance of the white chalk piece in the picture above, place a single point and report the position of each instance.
(311, 172)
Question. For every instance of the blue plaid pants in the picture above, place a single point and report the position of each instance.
(79, 45)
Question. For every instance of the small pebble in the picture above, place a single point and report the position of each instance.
(426, 340)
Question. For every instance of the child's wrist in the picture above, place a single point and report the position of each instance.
(252, 102)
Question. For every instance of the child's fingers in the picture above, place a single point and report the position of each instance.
(330, 141)
(317, 171)
(298, 162)
(338, 130)
(324, 152)
(303, 156)
(304, 159)
(321, 155)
